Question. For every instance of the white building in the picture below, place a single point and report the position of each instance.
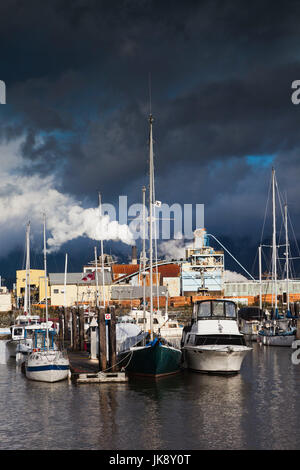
(78, 290)
(5, 300)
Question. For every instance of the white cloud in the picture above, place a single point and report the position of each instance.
(232, 276)
(26, 197)
(173, 249)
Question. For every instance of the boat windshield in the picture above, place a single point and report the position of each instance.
(216, 309)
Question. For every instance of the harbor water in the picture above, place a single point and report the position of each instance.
(257, 409)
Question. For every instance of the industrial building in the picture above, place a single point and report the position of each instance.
(251, 289)
(203, 271)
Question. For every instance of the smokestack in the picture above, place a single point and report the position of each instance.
(134, 255)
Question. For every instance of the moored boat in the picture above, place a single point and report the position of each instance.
(47, 363)
(213, 342)
(155, 358)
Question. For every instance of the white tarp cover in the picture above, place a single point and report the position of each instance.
(127, 335)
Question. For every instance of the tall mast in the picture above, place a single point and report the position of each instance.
(65, 281)
(27, 280)
(102, 256)
(260, 286)
(287, 259)
(46, 283)
(96, 278)
(274, 254)
(144, 254)
(151, 223)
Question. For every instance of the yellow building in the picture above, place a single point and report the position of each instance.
(37, 284)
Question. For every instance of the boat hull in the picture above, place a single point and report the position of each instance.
(276, 340)
(47, 367)
(155, 360)
(215, 359)
(12, 347)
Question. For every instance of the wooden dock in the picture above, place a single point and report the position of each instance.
(86, 370)
(102, 377)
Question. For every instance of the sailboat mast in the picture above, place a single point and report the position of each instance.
(96, 277)
(287, 259)
(151, 224)
(274, 254)
(102, 257)
(65, 281)
(27, 280)
(46, 283)
(144, 255)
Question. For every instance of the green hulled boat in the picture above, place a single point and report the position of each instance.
(155, 359)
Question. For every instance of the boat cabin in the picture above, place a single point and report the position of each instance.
(39, 339)
(215, 310)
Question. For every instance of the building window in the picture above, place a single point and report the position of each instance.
(55, 291)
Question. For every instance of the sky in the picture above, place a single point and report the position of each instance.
(78, 76)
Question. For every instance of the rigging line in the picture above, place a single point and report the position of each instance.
(295, 239)
(279, 198)
(252, 269)
(266, 208)
(210, 235)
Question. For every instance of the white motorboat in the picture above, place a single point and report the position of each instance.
(22, 334)
(250, 321)
(213, 342)
(21, 331)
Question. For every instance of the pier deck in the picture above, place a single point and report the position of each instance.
(81, 363)
(86, 370)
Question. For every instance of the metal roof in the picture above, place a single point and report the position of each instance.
(77, 278)
(122, 292)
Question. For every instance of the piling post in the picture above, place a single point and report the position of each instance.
(66, 316)
(81, 330)
(74, 330)
(93, 336)
(298, 330)
(102, 339)
(61, 332)
(112, 339)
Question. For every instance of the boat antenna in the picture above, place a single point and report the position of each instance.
(149, 83)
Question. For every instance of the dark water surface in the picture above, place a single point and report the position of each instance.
(257, 409)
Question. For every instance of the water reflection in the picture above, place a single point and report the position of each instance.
(257, 409)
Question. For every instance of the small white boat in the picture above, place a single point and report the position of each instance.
(249, 321)
(47, 366)
(213, 342)
(46, 363)
(277, 333)
(22, 338)
(21, 332)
